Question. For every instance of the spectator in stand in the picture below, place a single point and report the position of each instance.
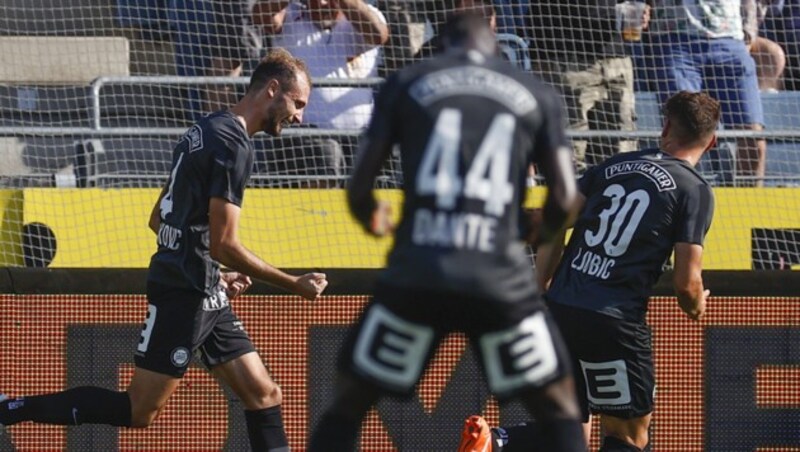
(338, 39)
(769, 56)
(782, 25)
(702, 45)
(791, 14)
(214, 38)
(576, 48)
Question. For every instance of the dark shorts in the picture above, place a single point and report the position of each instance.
(396, 336)
(181, 323)
(613, 362)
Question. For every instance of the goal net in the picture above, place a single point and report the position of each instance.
(94, 95)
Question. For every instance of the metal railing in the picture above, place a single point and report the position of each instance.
(97, 130)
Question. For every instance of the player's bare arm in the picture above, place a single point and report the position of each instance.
(548, 254)
(226, 249)
(155, 215)
(561, 204)
(368, 24)
(688, 280)
(373, 215)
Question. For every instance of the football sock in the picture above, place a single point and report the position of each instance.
(514, 439)
(335, 433)
(559, 434)
(265, 428)
(76, 406)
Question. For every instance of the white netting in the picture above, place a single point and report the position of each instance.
(94, 93)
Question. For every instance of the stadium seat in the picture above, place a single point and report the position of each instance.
(33, 60)
(123, 162)
(515, 50)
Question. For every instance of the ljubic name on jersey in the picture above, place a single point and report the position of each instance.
(592, 264)
(486, 180)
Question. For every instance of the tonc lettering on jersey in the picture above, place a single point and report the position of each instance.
(592, 264)
(465, 231)
(169, 237)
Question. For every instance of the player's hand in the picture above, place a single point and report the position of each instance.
(381, 222)
(235, 283)
(311, 285)
(700, 310)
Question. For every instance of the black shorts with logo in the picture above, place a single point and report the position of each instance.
(182, 322)
(613, 361)
(518, 344)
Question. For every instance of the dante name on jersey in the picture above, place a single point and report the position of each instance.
(488, 176)
(467, 231)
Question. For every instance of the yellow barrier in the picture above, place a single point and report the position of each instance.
(11, 227)
(313, 228)
(289, 228)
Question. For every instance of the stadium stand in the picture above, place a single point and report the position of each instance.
(44, 81)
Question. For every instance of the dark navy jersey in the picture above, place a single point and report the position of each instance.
(638, 206)
(213, 159)
(468, 127)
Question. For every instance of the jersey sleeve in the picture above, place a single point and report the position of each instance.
(696, 214)
(585, 182)
(229, 172)
(384, 126)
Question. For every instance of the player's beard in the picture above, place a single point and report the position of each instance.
(273, 127)
(275, 124)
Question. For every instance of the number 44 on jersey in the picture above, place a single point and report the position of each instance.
(486, 179)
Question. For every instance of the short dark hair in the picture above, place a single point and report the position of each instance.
(279, 64)
(693, 116)
(464, 27)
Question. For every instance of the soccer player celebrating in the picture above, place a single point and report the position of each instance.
(638, 208)
(196, 220)
(468, 126)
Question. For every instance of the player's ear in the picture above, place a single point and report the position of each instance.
(711, 143)
(273, 88)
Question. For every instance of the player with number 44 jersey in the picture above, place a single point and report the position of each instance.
(468, 126)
